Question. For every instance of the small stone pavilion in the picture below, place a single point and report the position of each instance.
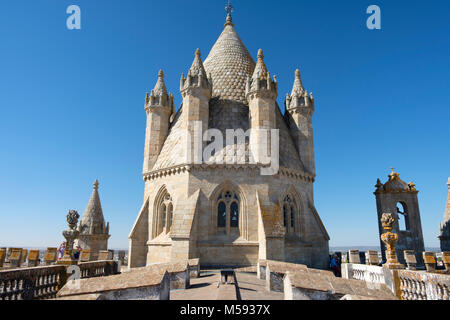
(94, 232)
(400, 199)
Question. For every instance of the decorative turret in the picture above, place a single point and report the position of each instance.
(444, 228)
(159, 106)
(299, 111)
(196, 83)
(94, 232)
(261, 84)
(261, 92)
(196, 90)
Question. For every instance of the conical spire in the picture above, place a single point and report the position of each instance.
(260, 69)
(229, 64)
(261, 80)
(92, 221)
(160, 87)
(196, 76)
(159, 96)
(297, 89)
(197, 67)
(299, 96)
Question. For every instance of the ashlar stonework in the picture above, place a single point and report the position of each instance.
(228, 214)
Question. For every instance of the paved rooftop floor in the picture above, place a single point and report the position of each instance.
(248, 287)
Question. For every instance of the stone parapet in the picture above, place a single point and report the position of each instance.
(179, 273)
(150, 284)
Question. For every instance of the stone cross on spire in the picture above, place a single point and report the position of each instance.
(229, 8)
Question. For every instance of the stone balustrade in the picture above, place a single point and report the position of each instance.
(420, 285)
(31, 283)
(43, 282)
(405, 284)
(368, 273)
(94, 269)
(309, 284)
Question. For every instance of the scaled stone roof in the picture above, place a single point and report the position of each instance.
(229, 64)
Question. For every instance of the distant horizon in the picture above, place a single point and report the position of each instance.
(72, 103)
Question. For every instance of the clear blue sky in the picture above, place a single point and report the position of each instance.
(72, 102)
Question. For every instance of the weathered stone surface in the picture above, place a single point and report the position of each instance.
(33, 258)
(50, 255)
(275, 271)
(2, 256)
(410, 259)
(429, 259)
(446, 260)
(85, 255)
(421, 285)
(372, 258)
(179, 273)
(354, 257)
(15, 258)
(307, 285)
(103, 255)
(150, 284)
(194, 267)
(261, 269)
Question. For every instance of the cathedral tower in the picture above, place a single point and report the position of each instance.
(400, 199)
(227, 213)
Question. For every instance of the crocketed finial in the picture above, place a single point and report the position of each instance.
(96, 184)
(161, 74)
(260, 54)
(198, 53)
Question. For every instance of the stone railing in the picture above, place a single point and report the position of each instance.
(371, 274)
(98, 268)
(45, 281)
(32, 283)
(405, 284)
(420, 285)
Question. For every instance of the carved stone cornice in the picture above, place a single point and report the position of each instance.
(254, 168)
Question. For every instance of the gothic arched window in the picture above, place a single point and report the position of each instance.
(165, 214)
(289, 213)
(228, 211)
